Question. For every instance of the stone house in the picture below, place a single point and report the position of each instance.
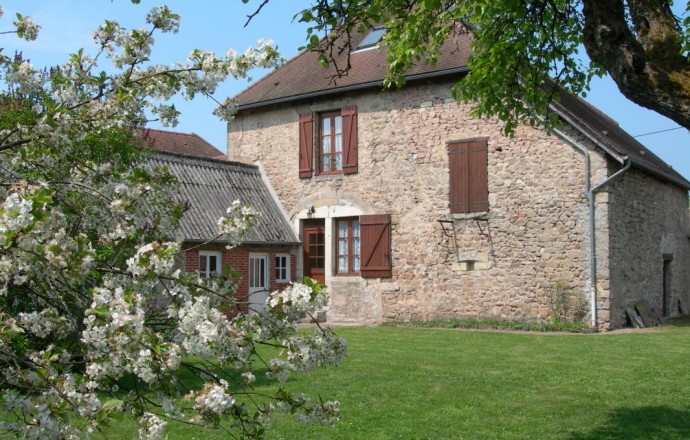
(409, 208)
(266, 259)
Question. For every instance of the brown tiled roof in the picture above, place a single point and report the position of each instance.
(608, 135)
(304, 77)
(210, 186)
(188, 144)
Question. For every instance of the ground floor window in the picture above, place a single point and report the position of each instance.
(359, 246)
(209, 264)
(348, 249)
(282, 268)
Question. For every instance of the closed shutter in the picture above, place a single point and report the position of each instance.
(306, 145)
(469, 183)
(349, 115)
(375, 232)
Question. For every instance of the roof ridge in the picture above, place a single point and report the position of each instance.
(223, 162)
(271, 73)
(182, 133)
(166, 140)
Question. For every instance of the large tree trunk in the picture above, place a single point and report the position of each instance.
(643, 55)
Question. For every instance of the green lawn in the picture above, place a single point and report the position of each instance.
(414, 384)
(404, 383)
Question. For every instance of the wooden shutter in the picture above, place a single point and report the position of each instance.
(349, 115)
(306, 145)
(375, 232)
(469, 182)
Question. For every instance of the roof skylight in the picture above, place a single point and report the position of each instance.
(371, 39)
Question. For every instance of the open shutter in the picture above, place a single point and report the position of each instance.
(349, 115)
(468, 179)
(306, 145)
(375, 233)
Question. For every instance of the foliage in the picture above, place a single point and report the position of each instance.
(519, 46)
(88, 251)
(565, 303)
(496, 324)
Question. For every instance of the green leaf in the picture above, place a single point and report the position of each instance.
(113, 404)
(102, 311)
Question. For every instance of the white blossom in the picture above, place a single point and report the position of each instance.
(237, 222)
(88, 257)
(44, 323)
(163, 19)
(298, 298)
(26, 28)
(151, 427)
(24, 78)
(153, 258)
(214, 398)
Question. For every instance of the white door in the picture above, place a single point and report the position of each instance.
(258, 282)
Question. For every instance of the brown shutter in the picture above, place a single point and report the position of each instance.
(375, 233)
(459, 188)
(349, 115)
(478, 158)
(306, 145)
(468, 176)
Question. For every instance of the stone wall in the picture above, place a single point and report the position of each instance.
(537, 220)
(649, 236)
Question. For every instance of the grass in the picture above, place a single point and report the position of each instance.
(498, 324)
(409, 383)
(438, 384)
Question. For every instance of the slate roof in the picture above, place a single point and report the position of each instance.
(210, 186)
(189, 144)
(303, 78)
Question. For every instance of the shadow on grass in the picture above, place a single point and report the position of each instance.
(190, 379)
(652, 422)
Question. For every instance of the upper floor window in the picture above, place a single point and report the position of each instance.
(282, 267)
(209, 264)
(469, 181)
(332, 147)
(331, 142)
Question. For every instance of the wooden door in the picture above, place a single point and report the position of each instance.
(315, 250)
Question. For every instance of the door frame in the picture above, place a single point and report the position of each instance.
(257, 294)
(314, 226)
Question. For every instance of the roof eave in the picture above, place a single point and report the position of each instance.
(583, 130)
(350, 88)
(615, 155)
(244, 243)
(660, 174)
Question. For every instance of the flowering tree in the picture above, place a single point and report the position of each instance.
(88, 257)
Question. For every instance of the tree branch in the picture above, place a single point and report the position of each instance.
(256, 12)
(645, 62)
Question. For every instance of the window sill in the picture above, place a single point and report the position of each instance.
(326, 177)
(482, 215)
(282, 281)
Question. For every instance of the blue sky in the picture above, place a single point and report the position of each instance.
(218, 25)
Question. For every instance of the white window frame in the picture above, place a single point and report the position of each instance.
(209, 271)
(279, 267)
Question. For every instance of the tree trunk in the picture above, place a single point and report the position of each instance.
(643, 55)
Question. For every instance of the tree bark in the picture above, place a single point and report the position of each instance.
(642, 55)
